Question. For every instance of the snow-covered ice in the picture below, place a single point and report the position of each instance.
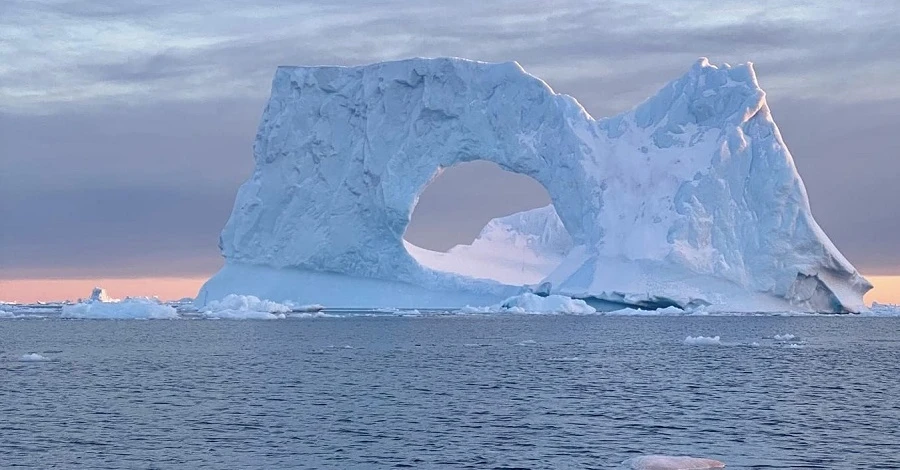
(131, 308)
(689, 199)
(669, 462)
(703, 340)
(784, 337)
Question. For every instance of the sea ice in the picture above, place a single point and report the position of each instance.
(647, 312)
(668, 462)
(883, 310)
(245, 307)
(33, 357)
(531, 303)
(131, 308)
(702, 340)
(784, 337)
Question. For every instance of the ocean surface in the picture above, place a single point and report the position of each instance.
(450, 391)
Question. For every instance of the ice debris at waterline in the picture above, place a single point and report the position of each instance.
(883, 310)
(531, 303)
(130, 308)
(667, 462)
(703, 340)
(691, 198)
(245, 307)
(33, 357)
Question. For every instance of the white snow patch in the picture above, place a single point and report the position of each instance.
(245, 307)
(668, 462)
(133, 308)
(33, 357)
(702, 340)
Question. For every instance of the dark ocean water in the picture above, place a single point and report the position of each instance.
(497, 391)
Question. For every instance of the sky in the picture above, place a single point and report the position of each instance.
(127, 126)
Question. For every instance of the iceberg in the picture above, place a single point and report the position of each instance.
(131, 308)
(691, 199)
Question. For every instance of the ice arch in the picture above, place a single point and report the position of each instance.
(451, 229)
(690, 198)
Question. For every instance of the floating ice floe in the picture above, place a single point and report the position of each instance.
(245, 307)
(784, 337)
(132, 308)
(532, 303)
(703, 340)
(33, 357)
(642, 312)
(668, 462)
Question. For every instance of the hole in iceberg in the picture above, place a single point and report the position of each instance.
(478, 220)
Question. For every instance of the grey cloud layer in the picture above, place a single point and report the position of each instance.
(147, 110)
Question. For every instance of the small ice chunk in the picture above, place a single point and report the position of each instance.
(703, 340)
(311, 308)
(628, 311)
(529, 302)
(668, 462)
(794, 346)
(33, 357)
(784, 337)
(245, 307)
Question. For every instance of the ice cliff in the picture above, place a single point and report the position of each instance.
(690, 199)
